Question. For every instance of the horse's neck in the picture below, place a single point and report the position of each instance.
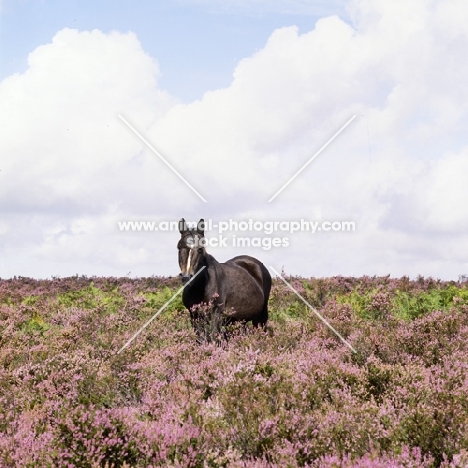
(210, 262)
(195, 292)
(211, 266)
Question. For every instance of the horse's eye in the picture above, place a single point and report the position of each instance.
(200, 250)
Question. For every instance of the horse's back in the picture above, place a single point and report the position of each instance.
(253, 272)
(251, 265)
(246, 261)
(256, 269)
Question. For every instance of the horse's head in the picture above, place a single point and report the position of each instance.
(191, 249)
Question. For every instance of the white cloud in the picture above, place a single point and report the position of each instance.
(257, 7)
(62, 139)
(71, 169)
(436, 200)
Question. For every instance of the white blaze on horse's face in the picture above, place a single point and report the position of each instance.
(189, 260)
(191, 242)
(190, 251)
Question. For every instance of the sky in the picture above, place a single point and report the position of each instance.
(153, 111)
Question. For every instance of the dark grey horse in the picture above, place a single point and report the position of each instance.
(239, 289)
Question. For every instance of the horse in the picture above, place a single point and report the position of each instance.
(237, 290)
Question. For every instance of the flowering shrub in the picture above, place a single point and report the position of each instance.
(208, 323)
(291, 396)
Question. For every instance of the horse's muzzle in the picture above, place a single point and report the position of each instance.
(185, 278)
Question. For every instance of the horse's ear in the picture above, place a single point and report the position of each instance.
(182, 226)
(201, 227)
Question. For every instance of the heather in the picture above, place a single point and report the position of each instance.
(292, 396)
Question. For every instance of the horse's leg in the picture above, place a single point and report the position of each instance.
(196, 325)
(217, 321)
(262, 317)
(223, 331)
